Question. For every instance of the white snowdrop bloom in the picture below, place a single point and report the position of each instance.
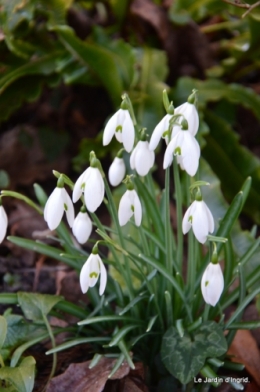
(199, 217)
(120, 125)
(212, 284)
(58, 202)
(82, 227)
(90, 272)
(186, 147)
(92, 185)
(3, 223)
(142, 159)
(130, 205)
(116, 172)
(159, 130)
(190, 113)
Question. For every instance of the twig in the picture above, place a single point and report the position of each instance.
(237, 3)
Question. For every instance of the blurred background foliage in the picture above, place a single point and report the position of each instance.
(76, 58)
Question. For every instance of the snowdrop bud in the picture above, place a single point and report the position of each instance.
(142, 159)
(3, 222)
(58, 202)
(120, 125)
(130, 205)
(116, 172)
(199, 217)
(82, 226)
(212, 284)
(90, 272)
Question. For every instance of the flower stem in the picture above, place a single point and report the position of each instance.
(178, 197)
(168, 229)
(112, 207)
(54, 356)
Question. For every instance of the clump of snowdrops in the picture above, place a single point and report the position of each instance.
(159, 293)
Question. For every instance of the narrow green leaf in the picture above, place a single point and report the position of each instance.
(101, 319)
(3, 330)
(75, 342)
(121, 334)
(95, 360)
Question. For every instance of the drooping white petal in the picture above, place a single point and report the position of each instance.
(94, 270)
(142, 159)
(128, 132)
(168, 155)
(3, 223)
(209, 217)
(186, 222)
(79, 185)
(82, 227)
(137, 209)
(103, 277)
(157, 134)
(125, 211)
(200, 223)
(94, 190)
(109, 130)
(54, 209)
(84, 276)
(68, 207)
(212, 284)
(190, 154)
(190, 113)
(116, 172)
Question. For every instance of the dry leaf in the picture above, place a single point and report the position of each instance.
(79, 378)
(245, 350)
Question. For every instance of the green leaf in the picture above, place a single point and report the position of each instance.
(22, 377)
(184, 356)
(232, 162)
(44, 249)
(19, 331)
(34, 305)
(3, 330)
(102, 61)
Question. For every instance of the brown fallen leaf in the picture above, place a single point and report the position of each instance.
(245, 350)
(79, 378)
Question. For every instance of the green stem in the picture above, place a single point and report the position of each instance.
(113, 211)
(191, 273)
(167, 219)
(178, 196)
(54, 356)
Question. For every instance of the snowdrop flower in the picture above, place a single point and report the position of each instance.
(142, 159)
(91, 184)
(82, 226)
(120, 125)
(3, 222)
(212, 284)
(90, 272)
(130, 205)
(160, 129)
(199, 217)
(187, 150)
(116, 172)
(58, 202)
(190, 113)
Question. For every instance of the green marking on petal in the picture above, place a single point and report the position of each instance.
(65, 207)
(190, 219)
(206, 283)
(132, 208)
(93, 275)
(83, 186)
(177, 151)
(119, 128)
